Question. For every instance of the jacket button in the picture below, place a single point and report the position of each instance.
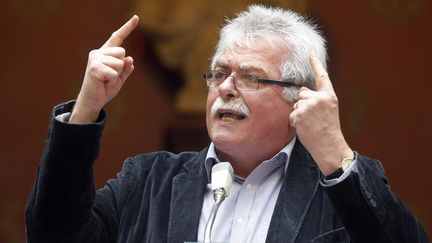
(372, 203)
(362, 185)
(368, 194)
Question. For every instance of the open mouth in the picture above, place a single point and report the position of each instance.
(230, 116)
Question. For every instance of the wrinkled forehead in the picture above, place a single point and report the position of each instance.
(271, 44)
(262, 55)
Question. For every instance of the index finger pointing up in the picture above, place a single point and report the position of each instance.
(321, 76)
(122, 33)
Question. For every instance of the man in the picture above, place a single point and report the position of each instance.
(271, 112)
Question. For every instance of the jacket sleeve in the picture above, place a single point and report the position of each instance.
(61, 206)
(370, 211)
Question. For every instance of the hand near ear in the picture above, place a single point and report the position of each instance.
(315, 117)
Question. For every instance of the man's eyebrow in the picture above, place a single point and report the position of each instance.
(225, 63)
(222, 63)
(253, 67)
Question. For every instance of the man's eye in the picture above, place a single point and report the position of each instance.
(248, 77)
(219, 75)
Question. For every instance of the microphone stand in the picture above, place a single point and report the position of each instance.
(222, 179)
(219, 196)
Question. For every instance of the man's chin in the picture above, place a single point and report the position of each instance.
(225, 141)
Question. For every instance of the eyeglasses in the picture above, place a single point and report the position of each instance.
(242, 81)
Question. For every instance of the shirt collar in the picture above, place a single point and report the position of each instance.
(212, 158)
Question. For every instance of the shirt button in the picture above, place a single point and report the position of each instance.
(240, 220)
(249, 186)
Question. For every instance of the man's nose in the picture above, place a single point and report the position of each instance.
(227, 88)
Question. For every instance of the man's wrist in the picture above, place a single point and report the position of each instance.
(77, 118)
(344, 166)
(81, 116)
(333, 160)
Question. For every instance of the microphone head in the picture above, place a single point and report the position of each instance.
(222, 177)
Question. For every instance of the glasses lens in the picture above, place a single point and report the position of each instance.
(243, 81)
(219, 76)
(246, 81)
(214, 78)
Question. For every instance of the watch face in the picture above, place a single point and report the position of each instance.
(346, 163)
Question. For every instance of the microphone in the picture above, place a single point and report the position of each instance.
(221, 180)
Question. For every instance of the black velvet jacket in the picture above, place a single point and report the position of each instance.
(157, 197)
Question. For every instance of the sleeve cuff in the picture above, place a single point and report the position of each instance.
(63, 112)
(336, 178)
(64, 117)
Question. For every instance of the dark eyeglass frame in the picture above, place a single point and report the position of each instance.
(283, 83)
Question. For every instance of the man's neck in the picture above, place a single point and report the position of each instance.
(244, 163)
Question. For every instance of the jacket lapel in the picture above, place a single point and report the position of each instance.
(297, 192)
(186, 200)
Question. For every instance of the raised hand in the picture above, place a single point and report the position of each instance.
(315, 117)
(107, 69)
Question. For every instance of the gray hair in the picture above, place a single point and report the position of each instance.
(301, 36)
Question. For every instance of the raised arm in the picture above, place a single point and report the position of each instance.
(316, 120)
(107, 69)
(63, 205)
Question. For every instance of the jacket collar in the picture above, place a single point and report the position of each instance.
(297, 192)
(187, 196)
(295, 197)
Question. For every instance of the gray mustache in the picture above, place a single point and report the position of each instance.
(237, 105)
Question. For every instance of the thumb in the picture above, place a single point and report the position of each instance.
(127, 69)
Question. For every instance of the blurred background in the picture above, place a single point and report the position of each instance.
(380, 64)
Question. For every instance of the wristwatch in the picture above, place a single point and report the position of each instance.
(346, 163)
